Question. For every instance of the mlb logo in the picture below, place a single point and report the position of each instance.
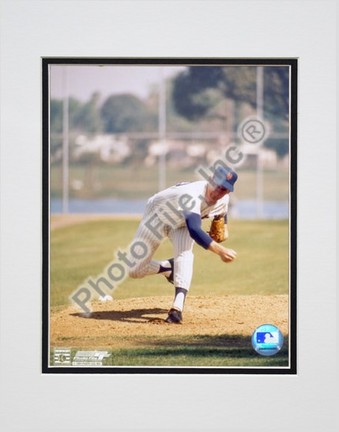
(267, 340)
(271, 337)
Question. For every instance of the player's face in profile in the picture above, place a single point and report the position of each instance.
(214, 192)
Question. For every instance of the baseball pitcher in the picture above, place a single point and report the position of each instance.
(176, 213)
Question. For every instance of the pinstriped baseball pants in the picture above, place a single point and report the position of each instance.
(146, 242)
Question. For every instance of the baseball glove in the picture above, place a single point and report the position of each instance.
(217, 229)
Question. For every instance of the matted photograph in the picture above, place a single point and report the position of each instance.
(169, 215)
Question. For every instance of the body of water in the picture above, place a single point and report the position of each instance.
(246, 209)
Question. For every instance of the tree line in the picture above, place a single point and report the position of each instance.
(202, 98)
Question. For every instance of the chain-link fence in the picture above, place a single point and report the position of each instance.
(117, 173)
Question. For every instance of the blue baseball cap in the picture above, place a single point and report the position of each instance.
(225, 177)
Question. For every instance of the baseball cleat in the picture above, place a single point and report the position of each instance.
(170, 278)
(174, 317)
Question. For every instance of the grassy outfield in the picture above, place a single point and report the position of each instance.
(84, 250)
(119, 181)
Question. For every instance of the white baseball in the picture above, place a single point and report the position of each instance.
(105, 298)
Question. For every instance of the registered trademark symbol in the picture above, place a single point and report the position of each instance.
(253, 131)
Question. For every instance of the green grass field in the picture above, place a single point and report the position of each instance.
(84, 250)
(187, 351)
(119, 182)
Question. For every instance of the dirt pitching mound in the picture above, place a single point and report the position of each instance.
(131, 322)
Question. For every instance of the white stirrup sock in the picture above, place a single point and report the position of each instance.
(179, 299)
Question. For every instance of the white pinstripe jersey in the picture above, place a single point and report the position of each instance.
(170, 203)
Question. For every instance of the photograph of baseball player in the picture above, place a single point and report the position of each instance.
(169, 215)
(176, 213)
